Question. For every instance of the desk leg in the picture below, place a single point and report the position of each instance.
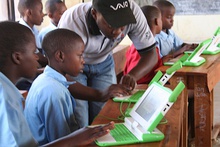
(203, 112)
(184, 132)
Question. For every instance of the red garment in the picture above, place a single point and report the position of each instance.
(132, 58)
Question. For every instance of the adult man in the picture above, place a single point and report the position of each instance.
(102, 25)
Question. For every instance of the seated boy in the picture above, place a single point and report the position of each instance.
(49, 106)
(31, 15)
(54, 10)
(169, 44)
(31, 12)
(153, 17)
(18, 59)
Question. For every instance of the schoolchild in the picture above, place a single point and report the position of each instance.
(49, 108)
(169, 44)
(31, 12)
(153, 17)
(54, 10)
(18, 59)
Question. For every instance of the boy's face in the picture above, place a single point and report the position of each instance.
(60, 9)
(74, 62)
(37, 14)
(29, 60)
(167, 17)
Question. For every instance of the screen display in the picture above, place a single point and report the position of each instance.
(154, 100)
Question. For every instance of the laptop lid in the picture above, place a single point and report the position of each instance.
(146, 115)
(213, 44)
(147, 111)
(194, 59)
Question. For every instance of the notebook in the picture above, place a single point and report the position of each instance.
(144, 117)
(194, 59)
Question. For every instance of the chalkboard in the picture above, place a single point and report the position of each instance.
(190, 7)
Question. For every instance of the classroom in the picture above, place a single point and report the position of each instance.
(194, 22)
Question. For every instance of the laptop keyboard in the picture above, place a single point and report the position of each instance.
(121, 133)
(137, 95)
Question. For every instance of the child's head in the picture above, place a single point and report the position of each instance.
(17, 50)
(167, 10)
(64, 50)
(31, 11)
(55, 9)
(153, 16)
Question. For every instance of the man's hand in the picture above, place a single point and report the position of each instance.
(129, 81)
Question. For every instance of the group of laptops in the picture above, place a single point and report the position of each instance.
(146, 114)
(152, 104)
(210, 46)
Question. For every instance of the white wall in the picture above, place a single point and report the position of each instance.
(196, 28)
(193, 28)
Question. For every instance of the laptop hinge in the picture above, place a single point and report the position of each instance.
(135, 128)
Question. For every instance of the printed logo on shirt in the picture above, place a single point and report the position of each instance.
(148, 35)
(118, 39)
(120, 6)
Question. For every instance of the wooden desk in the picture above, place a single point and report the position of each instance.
(171, 130)
(202, 79)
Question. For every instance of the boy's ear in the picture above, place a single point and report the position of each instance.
(16, 57)
(156, 21)
(59, 56)
(28, 12)
(50, 15)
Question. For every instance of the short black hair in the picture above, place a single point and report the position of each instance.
(150, 13)
(14, 37)
(26, 4)
(50, 5)
(161, 4)
(59, 39)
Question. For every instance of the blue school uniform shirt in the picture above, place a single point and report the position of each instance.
(46, 30)
(168, 42)
(14, 130)
(49, 107)
(35, 32)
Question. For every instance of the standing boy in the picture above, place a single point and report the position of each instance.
(18, 59)
(31, 12)
(103, 24)
(54, 10)
(31, 15)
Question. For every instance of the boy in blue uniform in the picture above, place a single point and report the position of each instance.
(54, 10)
(18, 59)
(50, 101)
(169, 44)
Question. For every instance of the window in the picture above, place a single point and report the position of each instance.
(8, 10)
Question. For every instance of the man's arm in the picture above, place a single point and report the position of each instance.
(82, 92)
(145, 65)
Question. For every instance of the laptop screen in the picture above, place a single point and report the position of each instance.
(147, 109)
(194, 57)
